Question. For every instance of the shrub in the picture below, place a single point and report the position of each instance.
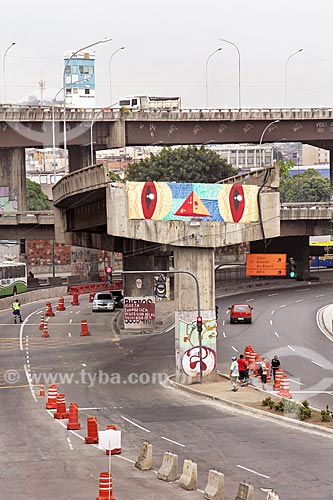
(266, 401)
(326, 415)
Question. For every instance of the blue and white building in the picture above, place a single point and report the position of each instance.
(80, 79)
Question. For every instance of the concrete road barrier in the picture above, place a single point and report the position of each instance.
(34, 296)
(145, 459)
(245, 492)
(169, 468)
(189, 478)
(215, 486)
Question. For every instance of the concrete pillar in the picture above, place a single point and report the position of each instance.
(12, 175)
(331, 176)
(200, 262)
(78, 157)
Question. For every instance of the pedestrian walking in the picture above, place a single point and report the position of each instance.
(275, 365)
(263, 370)
(234, 373)
(243, 369)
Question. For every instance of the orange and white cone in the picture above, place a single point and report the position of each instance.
(105, 486)
(45, 333)
(278, 376)
(284, 391)
(51, 403)
(84, 328)
(61, 411)
(61, 304)
(42, 391)
(42, 322)
(49, 310)
(73, 423)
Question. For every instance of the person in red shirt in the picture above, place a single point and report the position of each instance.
(243, 369)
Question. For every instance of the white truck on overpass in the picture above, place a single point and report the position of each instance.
(150, 102)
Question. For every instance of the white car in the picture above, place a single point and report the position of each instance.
(103, 301)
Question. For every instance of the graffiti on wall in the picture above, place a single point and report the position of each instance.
(189, 346)
(8, 200)
(209, 202)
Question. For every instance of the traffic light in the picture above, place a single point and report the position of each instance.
(108, 273)
(199, 324)
(292, 268)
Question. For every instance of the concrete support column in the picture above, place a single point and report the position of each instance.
(78, 157)
(331, 176)
(200, 262)
(12, 175)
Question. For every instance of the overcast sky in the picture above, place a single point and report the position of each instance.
(167, 46)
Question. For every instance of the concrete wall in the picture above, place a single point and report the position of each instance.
(12, 175)
(34, 296)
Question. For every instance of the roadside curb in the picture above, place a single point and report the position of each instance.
(297, 424)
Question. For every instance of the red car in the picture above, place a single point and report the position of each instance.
(241, 313)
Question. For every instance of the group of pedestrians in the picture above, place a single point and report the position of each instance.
(239, 371)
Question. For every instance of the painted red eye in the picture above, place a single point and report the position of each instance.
(237, 202)
(148, 199)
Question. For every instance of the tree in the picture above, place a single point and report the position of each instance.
(307, 186)
(184, 164)
(36, 199)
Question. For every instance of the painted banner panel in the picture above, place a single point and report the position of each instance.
(139, 312)
(207, 202)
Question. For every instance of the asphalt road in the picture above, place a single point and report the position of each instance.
(37, 453)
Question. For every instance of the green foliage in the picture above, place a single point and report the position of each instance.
(284, 167)
(326, 415)
(113, 177)
(307, 186)
(36, 199)
(303, 412)
(184, 164)
(279, 405)
(266, 401)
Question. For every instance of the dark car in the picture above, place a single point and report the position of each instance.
(240, 313)
(118, 298)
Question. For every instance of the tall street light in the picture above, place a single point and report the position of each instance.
(208, 58)
(64, 87)
(261, 139)
(239, 69)
(285, 76)
(114, 53)
(4, 70)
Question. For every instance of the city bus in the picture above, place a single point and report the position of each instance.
(13, 278)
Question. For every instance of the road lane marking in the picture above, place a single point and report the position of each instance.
(234, 348)
(174, 442)
(321, 295)
(224, 335)
(272, 294)
(137, 425)
(249, 300)
(69, 334)
(31, 387)
(70, 321)
(276, 333)
(169, 329)
(270, 322)
(303, 289)
(70, 443)
(291, 348)
(295, 382)
(253, 471)
(283, 305)
(21, 330)
(272, 312)
(223, 322)
(96, 408)
(299, 300)
(315, 362)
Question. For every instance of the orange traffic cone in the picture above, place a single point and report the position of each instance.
(42, 391)
(92, 436)
(278, 376)
(75, 300)
(267, 369)
(73, 421)
(284, 391)
(49, 310)
(45, 333)
(61, 411)
(42, 322)
(105, 486)
(84, 328)
(91, 296)
(115, 451)
(51, 403)
(61, 304)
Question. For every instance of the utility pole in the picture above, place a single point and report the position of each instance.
(42, 86)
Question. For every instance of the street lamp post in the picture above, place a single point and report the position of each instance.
(208, 58)
(261, 139)
(4, 70)
(239, 69)
(114, 53)
(64, 87)
(285, 76)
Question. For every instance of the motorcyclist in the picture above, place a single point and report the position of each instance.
(16, 306)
